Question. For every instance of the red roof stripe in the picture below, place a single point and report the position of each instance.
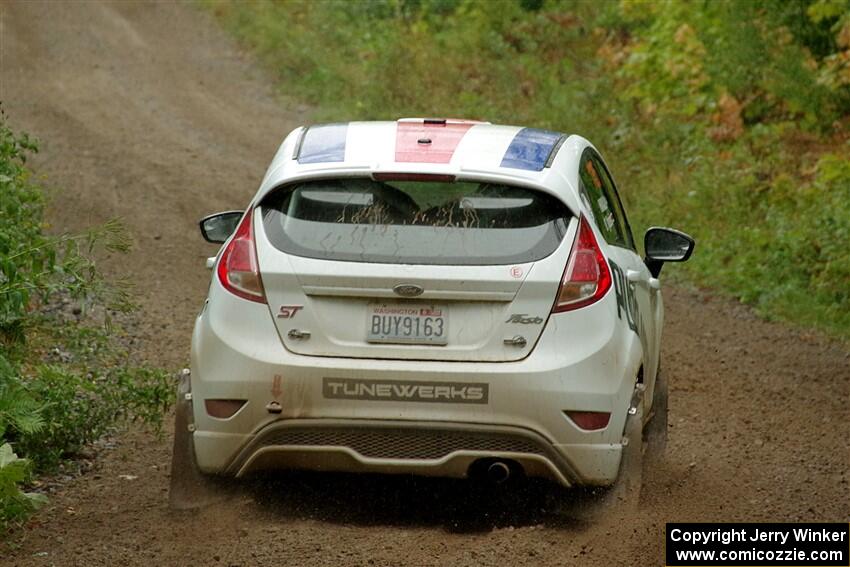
(411, 144)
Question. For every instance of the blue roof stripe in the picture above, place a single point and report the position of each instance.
(530, 149)
(324, 143)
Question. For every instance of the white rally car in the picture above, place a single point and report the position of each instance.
(433, 297)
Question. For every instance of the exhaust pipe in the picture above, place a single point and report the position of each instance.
(498, 472)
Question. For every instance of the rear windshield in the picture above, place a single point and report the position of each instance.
(414, 222)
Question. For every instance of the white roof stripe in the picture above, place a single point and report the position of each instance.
(483, 146)
(370, 142)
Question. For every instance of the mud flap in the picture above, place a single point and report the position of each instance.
(190, 488)
(625, 493)
(655, 432)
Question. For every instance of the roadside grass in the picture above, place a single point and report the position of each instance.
(729, 120)
(66, 378)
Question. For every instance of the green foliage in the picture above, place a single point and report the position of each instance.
(15, 505)
(18, 410)
(34, 265)
(726, 119)
(78, 408)
(50, 410)
(22, 202)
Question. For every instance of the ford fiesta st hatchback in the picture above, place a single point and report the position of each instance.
(430, 297)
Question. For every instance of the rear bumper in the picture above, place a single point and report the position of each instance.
(237, 354)
(428, 449)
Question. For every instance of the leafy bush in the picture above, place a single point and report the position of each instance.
(18, 410)
(34, 265)
(21, 412)
(729, 120)
(78, 408)
(15, 505)
(51, 408)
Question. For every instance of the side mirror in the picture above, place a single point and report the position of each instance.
(666, 245)
(218, 227)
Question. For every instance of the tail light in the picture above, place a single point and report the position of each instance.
(238, 269)
(587, 277)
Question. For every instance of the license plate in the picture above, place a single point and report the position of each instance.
(407, 323)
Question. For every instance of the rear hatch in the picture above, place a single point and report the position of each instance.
(400, 269)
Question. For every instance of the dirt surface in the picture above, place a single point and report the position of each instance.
(150, 113)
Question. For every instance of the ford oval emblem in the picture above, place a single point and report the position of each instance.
(408, 290)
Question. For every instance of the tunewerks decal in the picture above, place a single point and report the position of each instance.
(405, 391)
